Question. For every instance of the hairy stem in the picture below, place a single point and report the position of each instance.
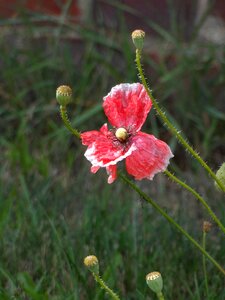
(160, 296)
(204, 264)
(200, 198)
(171, 127)
(105, 287)
(64, 116)
(171, 221)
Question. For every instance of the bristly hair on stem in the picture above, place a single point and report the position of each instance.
(103, 285)
(197, 196)
(66, 121)
(170, 126)
(170, 220)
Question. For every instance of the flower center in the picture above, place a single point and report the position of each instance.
(121, 134)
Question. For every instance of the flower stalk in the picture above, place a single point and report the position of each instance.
(206, 228)
(91, 262)
(200, 198)
(64, 96)
(66, 121)
(103, 285)
(204, 264)
(160, 296)
(171, 221)
(171, 127)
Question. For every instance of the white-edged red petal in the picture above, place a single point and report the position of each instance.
(151, 156)
(103, 150)
(111, 171)
(94, 169)
(89, 137)
(127, 105)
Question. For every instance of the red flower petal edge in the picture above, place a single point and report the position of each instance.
(151, 157)
(126, 107)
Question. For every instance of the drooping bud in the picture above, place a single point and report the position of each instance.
(121, 134)
(138, 37)
(155, 282)
(91, 262)
(206, 226)
(220, 174)
(64, 95)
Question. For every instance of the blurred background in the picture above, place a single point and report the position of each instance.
(53, 212)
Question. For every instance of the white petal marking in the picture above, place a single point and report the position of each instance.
(89, 154)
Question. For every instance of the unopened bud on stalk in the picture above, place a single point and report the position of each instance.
(206, 226)
(91, 262)
(220, 174)
(64, 95)
(138, 37)
(155, 282)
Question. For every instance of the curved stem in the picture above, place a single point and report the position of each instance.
(204, 264)
(170, 126)
(160, 296)
(64, 116)
(171, 221)
(105, 287)
(200, 198)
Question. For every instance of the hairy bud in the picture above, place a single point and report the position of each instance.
(91, 262)
(138, 37)
(64, 95)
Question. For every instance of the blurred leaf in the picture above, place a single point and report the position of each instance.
(31, 289)
(215, 113)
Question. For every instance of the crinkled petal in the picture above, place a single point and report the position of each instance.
(89, 137)
(111, 171)
(127, 105)
(150, 157)
(94, 169)
(103, 150)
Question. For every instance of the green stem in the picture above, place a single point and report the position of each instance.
(200, 198)
(64, 116)
(204, 264)
(160, 296)
(170, 220)
(105, 287)
(170, 126)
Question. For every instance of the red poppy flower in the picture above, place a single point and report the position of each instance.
(126, 106)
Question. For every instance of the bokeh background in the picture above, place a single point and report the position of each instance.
(53, 212)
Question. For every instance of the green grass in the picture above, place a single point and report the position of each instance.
(49, 226)
(53, 212)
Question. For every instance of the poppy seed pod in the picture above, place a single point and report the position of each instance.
(64, 95)
(138, 38)
(155, 282)
(91, 262)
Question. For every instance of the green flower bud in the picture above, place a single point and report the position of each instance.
(155, 282)
(220, 174)
(64, 95)
(138, 37)
(91, 262)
